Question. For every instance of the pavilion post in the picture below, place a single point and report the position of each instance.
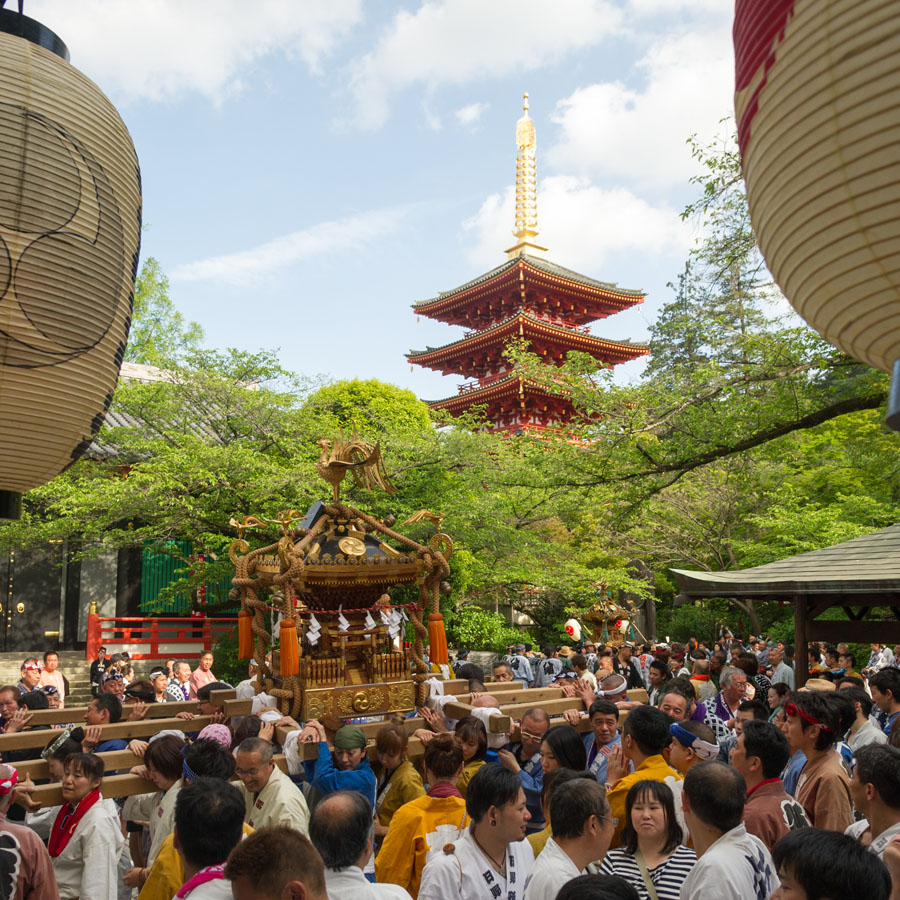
(801, 657)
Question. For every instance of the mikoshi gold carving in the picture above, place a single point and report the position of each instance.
(341, 562)
(401, 696)
(352, 546)
(353, 701)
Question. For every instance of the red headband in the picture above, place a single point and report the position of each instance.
(792, 710)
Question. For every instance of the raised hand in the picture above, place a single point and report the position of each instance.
(19, 721)
(92, 736)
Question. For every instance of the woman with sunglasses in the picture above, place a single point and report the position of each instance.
(652, 853)
(86, 838)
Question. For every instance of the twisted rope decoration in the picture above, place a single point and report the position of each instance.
(290, 694)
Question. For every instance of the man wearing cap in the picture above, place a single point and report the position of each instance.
(624, 665)
(519, 664)
(270, 797)
(348, 769)
(98, 668)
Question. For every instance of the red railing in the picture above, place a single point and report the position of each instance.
(155, 638)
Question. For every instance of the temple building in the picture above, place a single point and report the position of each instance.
(530, 299)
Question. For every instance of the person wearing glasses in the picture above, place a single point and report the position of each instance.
(270, 797)
(652, 852)
(581, 828)
(823, 790)
(524, 760)
(489, 861)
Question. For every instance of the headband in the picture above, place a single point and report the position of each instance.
(47, 752)
(702, 749)
(7, 785)
(188, 773)
(793, 710)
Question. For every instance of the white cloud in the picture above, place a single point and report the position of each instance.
(584, 226)
(470, 114)
(249, 266)
(638, 134)
(460, 41)
(159, 49)
(432, 119)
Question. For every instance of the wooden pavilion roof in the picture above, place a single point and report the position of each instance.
(867, 565)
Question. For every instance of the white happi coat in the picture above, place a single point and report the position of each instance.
(280, 802)
(159, 811)
(87, 868)
(352, 884)
(551, 870)
(467, 874)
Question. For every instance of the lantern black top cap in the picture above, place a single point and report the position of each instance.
(12, 22)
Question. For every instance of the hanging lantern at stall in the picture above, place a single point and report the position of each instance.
(70, 221)
(817, 103)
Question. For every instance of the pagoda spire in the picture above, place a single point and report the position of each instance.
(526, 188)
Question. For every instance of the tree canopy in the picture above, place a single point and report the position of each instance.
(747, 438)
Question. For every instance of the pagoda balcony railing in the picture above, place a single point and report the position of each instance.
(468, 386)
(550, 320)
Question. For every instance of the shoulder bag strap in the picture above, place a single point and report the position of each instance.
(645, 874)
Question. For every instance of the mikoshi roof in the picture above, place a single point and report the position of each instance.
(865, 565)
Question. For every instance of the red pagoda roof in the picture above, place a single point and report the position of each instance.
(495, 390)
(586, 298)
(456, 357)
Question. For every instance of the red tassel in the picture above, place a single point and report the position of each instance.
(438, 639)
(245, 634)
(290, 648)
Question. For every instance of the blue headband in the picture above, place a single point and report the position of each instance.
(703, 749)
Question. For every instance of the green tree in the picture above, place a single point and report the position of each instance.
(159, 334)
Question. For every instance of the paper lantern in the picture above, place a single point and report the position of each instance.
(818, 112)
(70, 219)
(573, 629)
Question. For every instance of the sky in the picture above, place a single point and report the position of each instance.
(310, 169)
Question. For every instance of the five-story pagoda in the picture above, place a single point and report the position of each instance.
(527, 299)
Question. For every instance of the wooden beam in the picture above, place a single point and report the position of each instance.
(497, 724)
(24, 740)
(551, 707)
(116, 785)
(75, 715)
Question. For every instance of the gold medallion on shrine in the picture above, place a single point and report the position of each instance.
(352, 546)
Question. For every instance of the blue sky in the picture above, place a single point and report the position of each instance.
(310, 169)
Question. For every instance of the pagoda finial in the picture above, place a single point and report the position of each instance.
(526, 187)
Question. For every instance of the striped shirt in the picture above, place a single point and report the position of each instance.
(667, 877)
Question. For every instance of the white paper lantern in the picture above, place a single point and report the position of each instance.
(818, 112)
(70, 219)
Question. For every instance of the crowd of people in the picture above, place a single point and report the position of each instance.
(686, 772)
